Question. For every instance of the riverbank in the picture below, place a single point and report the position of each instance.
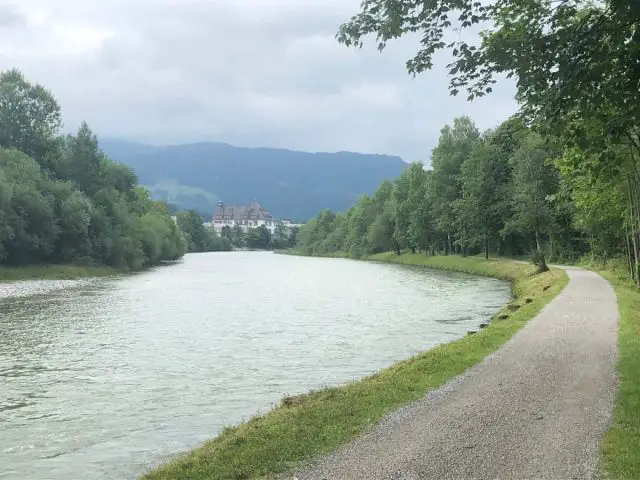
(620, 452)
(309, 425)
(53, 272)
(547, 394)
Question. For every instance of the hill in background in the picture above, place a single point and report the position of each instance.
(290, 184)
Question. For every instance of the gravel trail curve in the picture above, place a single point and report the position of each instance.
(535, 409)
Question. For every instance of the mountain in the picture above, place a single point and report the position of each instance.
(290, 184)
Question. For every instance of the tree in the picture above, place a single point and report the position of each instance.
(534, 180)
(6, 229)
(259, 238)
(484, 179)
(83, 162)
(361, 217)
(380, 234)
(30, 214)
(419, 226)
(63, 200)
(562, 54)
(401, 213)
(454, 147)
(73, 211)
(293, 237)
(29, 118)
(198, 239)
(280, 237)
(237, 236)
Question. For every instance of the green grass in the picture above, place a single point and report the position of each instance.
(621, 445)
(306, 426)
(299, 253)
(52, 272)
(494, 267)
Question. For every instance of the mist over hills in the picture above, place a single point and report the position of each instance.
(290, 184)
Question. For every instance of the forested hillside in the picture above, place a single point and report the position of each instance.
(561, 180)
(290, 184)
(62, 200)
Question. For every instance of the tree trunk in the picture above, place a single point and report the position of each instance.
(629, 255)
(633, 207)
(636, 271)
(486, 244)
(542, 267)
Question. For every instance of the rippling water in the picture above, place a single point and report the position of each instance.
(102, 378)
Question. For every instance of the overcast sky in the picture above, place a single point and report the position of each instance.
(246, 72)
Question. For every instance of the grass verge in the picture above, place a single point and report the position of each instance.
(306, 426)
(299, 253)
(621, 445)
(52, 272)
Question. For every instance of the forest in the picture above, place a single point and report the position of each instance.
(62, 201)
(559, 181)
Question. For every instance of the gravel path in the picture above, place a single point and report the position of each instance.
(535, 409)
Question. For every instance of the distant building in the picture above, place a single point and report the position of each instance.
(288, 224)
(246, 218)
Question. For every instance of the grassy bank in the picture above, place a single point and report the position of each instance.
(621, 446)
(498, 268)
(309, 425)
(53, 272)
(299, 253)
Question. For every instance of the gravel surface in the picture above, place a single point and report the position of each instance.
(535, 409)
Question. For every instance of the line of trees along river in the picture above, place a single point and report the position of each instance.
(564, 180)
(509, 191)
(62, 200)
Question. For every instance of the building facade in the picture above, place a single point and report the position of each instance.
(246, 218)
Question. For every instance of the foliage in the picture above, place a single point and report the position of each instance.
(484, 177)
(571, 57)
(575, 65)
(499, 192)
(534, 180)
(258, 238)
(261, 238)
(199, 238)
(29, 118)
(510, 191)
(62, 200)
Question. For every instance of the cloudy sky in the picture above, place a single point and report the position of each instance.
(246, 72)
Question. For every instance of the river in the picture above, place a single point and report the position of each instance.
(103, 378)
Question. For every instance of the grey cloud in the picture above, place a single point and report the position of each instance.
(250, 72)
(11, 16)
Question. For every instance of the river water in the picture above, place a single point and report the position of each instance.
(103, 378)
